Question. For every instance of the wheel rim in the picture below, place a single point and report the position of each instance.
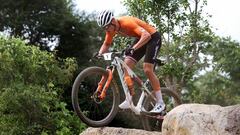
(93, 109)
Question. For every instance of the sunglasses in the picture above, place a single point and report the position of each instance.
(107, 26)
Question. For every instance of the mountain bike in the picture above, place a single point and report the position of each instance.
(96, 95)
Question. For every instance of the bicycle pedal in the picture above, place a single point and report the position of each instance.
(163, 113)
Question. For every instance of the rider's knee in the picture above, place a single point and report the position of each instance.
(147, 70)
(129, 62)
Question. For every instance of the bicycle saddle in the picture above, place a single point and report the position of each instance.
(159, 62)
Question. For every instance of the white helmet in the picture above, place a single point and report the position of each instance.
(104, 18)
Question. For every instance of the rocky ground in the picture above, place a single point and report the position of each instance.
(117, 131)
(187, 119)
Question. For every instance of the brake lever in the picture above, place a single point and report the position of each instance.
(124, 50)
(93, 57)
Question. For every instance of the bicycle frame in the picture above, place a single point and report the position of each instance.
(89, 92)
(120, 65)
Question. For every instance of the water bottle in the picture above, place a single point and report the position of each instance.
(130, 84)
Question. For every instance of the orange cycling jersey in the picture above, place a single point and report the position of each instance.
(129, 26)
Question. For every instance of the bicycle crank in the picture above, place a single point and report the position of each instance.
(159, 116)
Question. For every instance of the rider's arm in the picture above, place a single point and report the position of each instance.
(107, 43)
(144, 38)
(104, 48)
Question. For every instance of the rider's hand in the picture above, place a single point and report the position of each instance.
(129, 51)
(97, 55)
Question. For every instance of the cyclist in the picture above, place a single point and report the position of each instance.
(148, 43)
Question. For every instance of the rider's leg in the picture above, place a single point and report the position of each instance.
(152, 49)
(148, 70)
(130, 63)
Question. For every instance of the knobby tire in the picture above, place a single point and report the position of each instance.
(82, 89)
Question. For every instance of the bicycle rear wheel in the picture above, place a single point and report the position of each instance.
(154, 122)
(89, 108)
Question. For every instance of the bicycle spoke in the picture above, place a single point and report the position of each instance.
(87, 103)
(92, 110)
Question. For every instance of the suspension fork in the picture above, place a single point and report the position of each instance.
(107, 80)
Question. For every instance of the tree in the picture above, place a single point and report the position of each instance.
(38, 22)
(213, 88)
(80, 39)
(50, 24)
(221, 84)
(226, 57)
(186, 34)
(32, 84)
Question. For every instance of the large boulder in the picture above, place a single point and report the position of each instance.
(116, 131)
(199, 119)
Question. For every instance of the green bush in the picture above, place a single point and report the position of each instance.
(32, 84)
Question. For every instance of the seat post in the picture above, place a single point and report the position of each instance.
(155, 66)
(158, 62)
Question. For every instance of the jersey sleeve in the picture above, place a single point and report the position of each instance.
(139, 27)
(139, 30)
(136, 28)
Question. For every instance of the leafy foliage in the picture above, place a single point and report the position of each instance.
(221, 85)
(51, 24)
(213, 88)
(80, 39)
(188, 46)
(226, 57)
(31, 91)
(185, 35)
(37, 21)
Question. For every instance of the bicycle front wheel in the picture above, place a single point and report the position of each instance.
(154, 123)
(89, 108)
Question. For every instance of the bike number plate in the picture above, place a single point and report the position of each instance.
(107, 56)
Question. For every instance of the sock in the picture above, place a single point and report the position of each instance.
(159, 97)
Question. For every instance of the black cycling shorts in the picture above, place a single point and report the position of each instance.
(150, 49)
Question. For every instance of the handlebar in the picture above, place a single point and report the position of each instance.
(114, 53)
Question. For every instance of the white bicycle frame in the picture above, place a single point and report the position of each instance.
(121, 65)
